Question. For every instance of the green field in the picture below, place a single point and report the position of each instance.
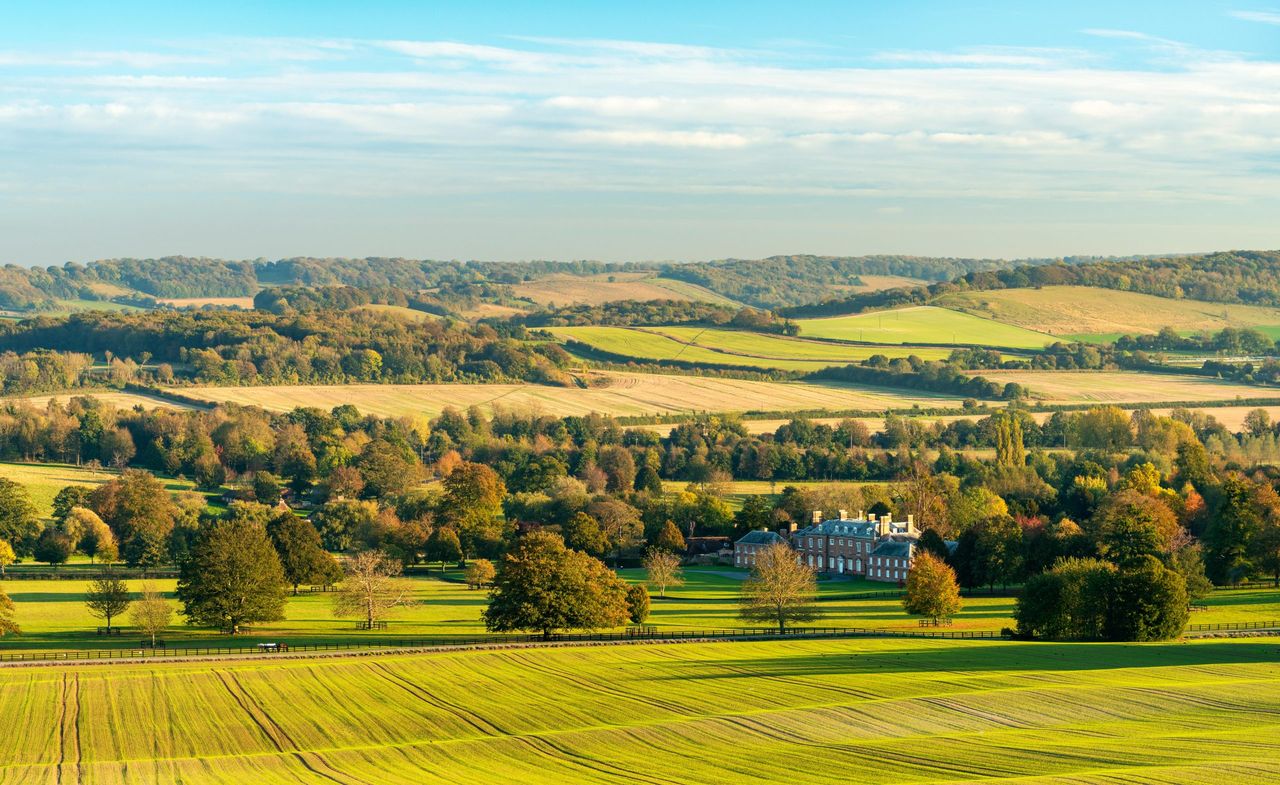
(729, 347)
(820, 711)
(923, 324)
(44, 480)
(53, 616)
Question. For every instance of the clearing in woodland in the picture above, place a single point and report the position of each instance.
(1080, 310)
(794, 711)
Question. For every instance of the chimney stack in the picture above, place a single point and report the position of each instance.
(793, 527)
(844, 515)
(911, 524)
(882, 528)
(817, 516)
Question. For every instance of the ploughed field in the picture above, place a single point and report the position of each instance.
(797, 711)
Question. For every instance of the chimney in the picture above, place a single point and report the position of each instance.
(911, 524)
(861, 516)
(817, 516)
(793, 527)
(882, 528)
(844, 515)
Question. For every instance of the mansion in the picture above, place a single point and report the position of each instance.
(878, 549)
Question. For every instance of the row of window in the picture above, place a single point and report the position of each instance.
(843, 542)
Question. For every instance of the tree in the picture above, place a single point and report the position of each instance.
(620, 523)
(637, 603)
(53, 547)
(670, 539)
(1146, 602)
(1228, 540)
(619, 467)
(97, 541)
(69, 498)
(583, 533)
(151, 613)
(232, 577)
(663, 569)
(1257, 422)
(480, 573)
(141, 514)
(266, 488)
(472, 501)
(997, 551)
(443, 546)
(1129, 525)
(8, 626)
(302, 557)
(108, 597)
(1066, 602)
(1266, 549)
(340, 520)
(1188, 561)
(544, 586)
(1009, 447)
(371, 588)
(7, 556)
(780, 589)
(931, 588)
(19, 521)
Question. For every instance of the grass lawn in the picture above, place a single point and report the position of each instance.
(44, 480)
(923, 324)
(795, 712)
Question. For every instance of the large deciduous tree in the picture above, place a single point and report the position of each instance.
(141, 514)
(19, 521)
(371, 588)
(780, 590)
(233, 576)
(543, 586)
(932, 590)
(472, 502)
(302, 556)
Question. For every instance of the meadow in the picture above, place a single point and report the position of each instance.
(44, 480)
(795, 711)
(1081, 311)
(613, 393)
(923, 324)
(779, 347)
(53, 616)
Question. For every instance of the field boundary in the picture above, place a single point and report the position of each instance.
(480, 642)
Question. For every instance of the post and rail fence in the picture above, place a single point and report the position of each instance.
(634, 634)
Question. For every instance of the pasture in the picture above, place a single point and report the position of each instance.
(44, 480)
(53, 616)
(923, 324)
(1104, 313)
(794, 711)
(780, 347)
(612, 393)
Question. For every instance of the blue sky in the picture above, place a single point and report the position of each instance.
(646, 131)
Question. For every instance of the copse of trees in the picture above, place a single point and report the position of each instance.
(1090, 599)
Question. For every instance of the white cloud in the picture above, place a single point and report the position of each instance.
(1265, 17)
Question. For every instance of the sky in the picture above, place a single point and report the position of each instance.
(636, 131)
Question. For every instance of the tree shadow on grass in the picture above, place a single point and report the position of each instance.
(924, 655)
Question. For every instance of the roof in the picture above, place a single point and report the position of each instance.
(760, 537)
(894, 549)
(841, 528)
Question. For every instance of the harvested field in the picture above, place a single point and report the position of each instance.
(923, 324)
(626, 394)
(116, 398)
(1125, 387)
(795, 712)
(197, 302)
(1075, 310)
(599, 289)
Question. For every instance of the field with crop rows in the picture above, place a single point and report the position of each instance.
(779, 347)
(819, 711)
(1126, 387)
(1080, 310)
(923, 324)
(622, 394)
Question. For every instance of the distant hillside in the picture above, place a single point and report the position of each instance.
(1245, 277)
(795, 280)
